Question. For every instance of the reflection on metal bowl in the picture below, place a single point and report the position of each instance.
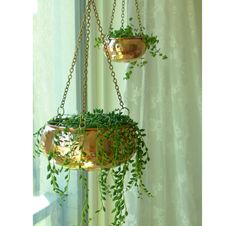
(93, 150)
(125, 49)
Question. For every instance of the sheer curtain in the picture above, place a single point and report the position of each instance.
(165, 98)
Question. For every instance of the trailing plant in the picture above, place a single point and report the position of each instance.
(151, 41)
(129, 156)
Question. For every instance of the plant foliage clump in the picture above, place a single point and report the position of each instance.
(122, 143)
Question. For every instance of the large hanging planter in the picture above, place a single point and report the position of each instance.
(91, 148)
(125, 49)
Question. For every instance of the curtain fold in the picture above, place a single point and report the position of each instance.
(165, 98)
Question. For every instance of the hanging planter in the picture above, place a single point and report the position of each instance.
(129, 44)
(111, 143)
(106, 141)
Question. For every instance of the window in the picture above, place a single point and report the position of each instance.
(56, 24)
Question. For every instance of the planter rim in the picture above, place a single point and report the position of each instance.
(87, 129)
(71, 128)
(134, 37)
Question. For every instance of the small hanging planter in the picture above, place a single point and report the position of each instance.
(95, 146)
(129, 43)
(125, 49)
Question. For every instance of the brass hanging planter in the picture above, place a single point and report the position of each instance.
(125, 49)
(91, 142)
(90, 149)
(128, 44)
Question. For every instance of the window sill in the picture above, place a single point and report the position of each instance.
(43, 206)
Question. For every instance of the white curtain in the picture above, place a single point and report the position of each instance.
(165, 98)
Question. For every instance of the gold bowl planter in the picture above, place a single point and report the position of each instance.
(91, 148)
(125, 49)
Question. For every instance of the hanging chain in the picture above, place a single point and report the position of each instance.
(121, 103)
(86, 23)
(84, 98)
(123, 14)
(138, 17)
(112, 17)
(85, 72)
(60, 109)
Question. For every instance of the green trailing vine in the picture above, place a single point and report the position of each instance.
(151, 41)
(84, 215)
(37, 142)
(113, 181)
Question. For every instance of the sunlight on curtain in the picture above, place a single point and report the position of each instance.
(53, 47)
(165, 97)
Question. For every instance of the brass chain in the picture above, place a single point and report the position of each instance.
(123, 14)
(121, 103)
(85, 72)
(86, 23)
(138, 17)
(112, 16)
(60, 109)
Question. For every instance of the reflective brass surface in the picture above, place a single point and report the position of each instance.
(125, 49)
(89, 161)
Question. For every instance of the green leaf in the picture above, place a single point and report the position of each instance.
(164, 57)
(97, 211)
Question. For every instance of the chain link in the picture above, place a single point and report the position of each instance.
(138, 17)
(60, 109)
(112, 17)
(121, 103)
(123, 14)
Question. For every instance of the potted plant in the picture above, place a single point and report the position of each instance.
(111, 143)
(129, 44)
